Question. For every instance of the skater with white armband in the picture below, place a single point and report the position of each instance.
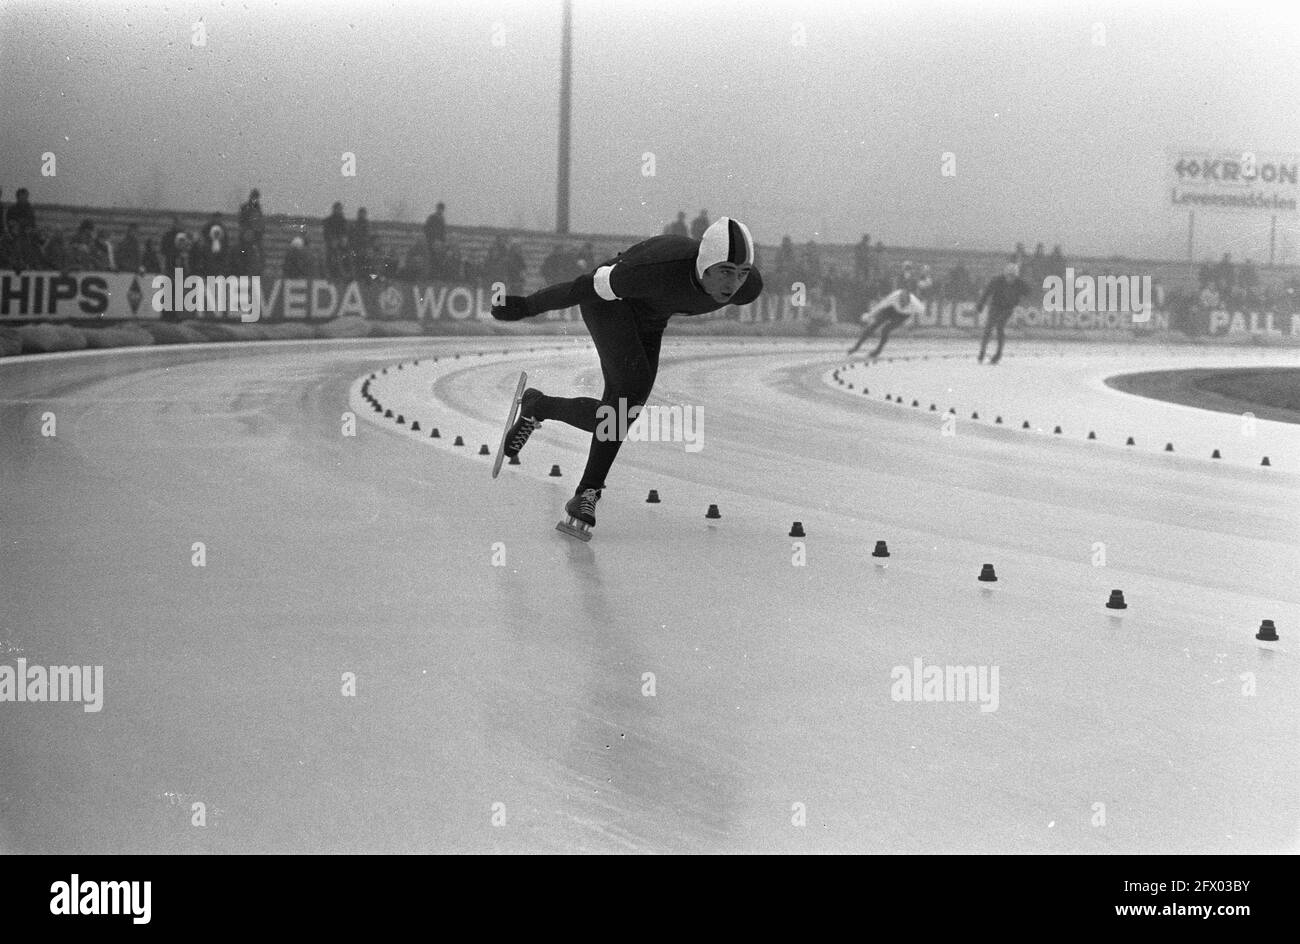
(626, 303)
(890, 312)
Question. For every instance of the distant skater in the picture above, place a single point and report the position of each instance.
(1002, 294)
(890, 312)
(626, 303)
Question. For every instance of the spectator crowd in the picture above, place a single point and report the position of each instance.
(351, 250)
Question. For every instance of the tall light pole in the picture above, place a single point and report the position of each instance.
(566, 95)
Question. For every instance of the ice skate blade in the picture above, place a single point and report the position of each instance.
(575, 529)
(510, 421)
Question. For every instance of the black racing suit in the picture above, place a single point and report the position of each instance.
(626, 303)
(1002, 294)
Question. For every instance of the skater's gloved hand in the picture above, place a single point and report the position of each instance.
(514, 308)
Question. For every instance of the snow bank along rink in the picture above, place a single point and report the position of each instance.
(681, 683)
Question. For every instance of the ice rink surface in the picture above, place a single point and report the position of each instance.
(678, 684)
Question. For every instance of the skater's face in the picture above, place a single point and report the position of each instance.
(724, 279)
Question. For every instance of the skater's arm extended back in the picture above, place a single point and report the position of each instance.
(610, 282)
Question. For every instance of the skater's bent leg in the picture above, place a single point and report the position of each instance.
(984, 341)
(862, 338)
(885, 332)
(629, 357)
(575, 411)
(1002, 324)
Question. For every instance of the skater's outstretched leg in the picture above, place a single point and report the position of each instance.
(527, 422)
(579, 412)
(862, 339)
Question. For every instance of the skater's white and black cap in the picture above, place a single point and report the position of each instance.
(727, 240)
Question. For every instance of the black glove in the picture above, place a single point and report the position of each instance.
(514, 309)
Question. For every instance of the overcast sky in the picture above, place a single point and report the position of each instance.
(1056, 137)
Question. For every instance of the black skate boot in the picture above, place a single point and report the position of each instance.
(581, 511)
(525, 425)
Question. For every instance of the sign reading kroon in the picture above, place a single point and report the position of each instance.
(1227, 179)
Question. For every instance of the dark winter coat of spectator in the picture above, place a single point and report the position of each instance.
(297, 263)
(360, 244)
(149, 261)
(81, 248)
(248, 258)
(128, 250)
(335, 227)
(359, 235)
(1056, 263)
(415, 267)
(678, 227)
(700, 224)
(169, 246)
(435, 227)
(250, 219)
(22, 214)
(53, 251)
